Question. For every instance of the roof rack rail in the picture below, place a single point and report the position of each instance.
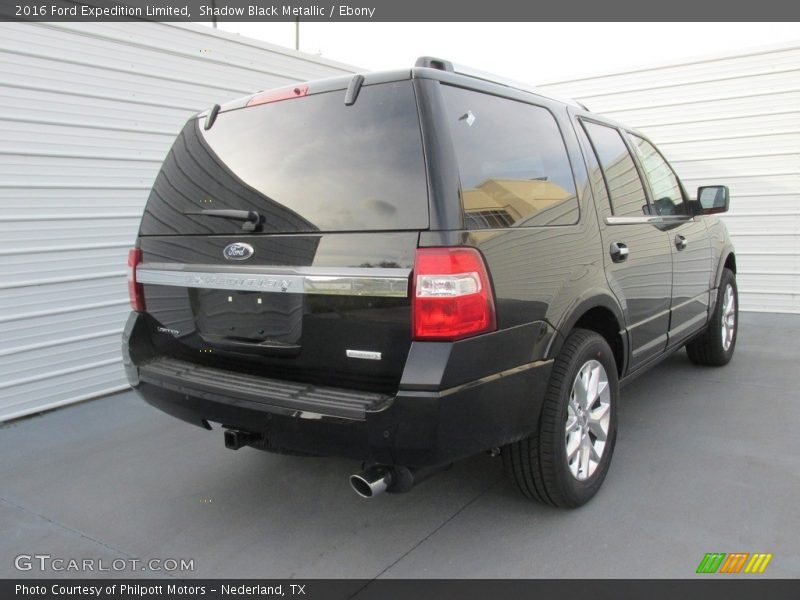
(431, 62)
(446, 65)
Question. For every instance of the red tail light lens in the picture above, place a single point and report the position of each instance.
(452, 296)
(135, 290)
(297, 91)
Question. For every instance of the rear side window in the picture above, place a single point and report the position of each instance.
(512, 160)
(667, 195)
(624, 186)
(305, 164)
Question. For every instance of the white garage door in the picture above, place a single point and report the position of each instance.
(731, 119)
(88, 112)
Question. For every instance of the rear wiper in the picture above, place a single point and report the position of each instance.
(250, 217)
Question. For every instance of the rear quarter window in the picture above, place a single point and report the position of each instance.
(512, 161)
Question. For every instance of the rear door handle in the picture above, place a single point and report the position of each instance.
(680, 242)
(618, 251)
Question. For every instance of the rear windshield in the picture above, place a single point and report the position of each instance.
(304, 165)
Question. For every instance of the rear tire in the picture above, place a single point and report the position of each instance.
(565, 462)
(716, 345)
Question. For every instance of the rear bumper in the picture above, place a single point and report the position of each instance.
(414, 427)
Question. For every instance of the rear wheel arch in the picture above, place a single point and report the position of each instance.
(543, 466)
(603, 316)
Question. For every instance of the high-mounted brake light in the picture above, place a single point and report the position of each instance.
(452, 296)
(297, 91)
(135, 289)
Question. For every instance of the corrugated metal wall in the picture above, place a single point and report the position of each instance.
(88, 112)
(731, 119)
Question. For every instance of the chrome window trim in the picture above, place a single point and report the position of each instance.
(385, 282)
(649, 219)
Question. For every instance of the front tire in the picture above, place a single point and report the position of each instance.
(565, 462)
(715, 347)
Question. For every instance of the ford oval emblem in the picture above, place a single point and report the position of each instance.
(238, 251)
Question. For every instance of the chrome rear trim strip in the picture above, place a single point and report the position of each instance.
(301, 280)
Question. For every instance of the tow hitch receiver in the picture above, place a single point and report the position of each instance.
(235, 439)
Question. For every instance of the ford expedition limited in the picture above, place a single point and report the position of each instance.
(408, 268)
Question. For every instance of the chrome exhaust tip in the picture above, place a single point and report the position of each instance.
(371, 481)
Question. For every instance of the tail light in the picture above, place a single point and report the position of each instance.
(135, 290)
(452, 296)
(278, 95)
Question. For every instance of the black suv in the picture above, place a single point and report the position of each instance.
(411, 267)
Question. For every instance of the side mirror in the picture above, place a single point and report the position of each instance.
(714, 199)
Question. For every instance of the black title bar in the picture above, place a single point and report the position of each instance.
(706, 588)
(402, 10)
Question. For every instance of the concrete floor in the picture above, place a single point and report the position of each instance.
(707, 460)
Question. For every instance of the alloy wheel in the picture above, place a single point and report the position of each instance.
(728, 317)
(588, 420)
